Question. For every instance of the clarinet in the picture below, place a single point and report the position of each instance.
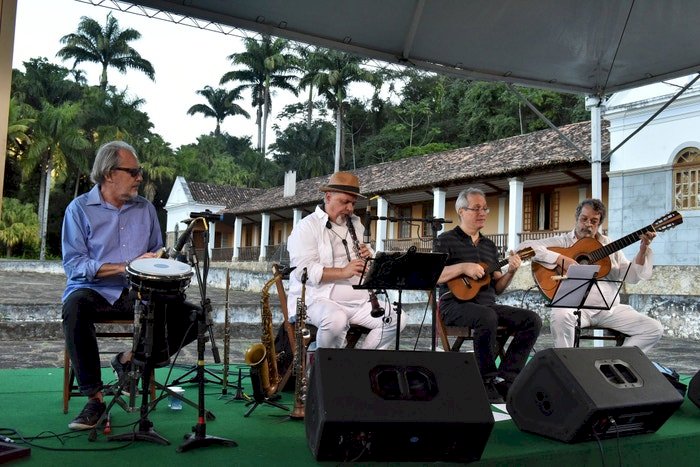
(377, 310)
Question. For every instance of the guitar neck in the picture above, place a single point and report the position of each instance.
(618, 244)
(497, 266)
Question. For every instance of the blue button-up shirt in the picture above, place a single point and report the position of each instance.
(96, 233)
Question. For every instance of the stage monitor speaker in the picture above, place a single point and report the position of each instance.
(396, 405)
(580, 394)
(694, 389)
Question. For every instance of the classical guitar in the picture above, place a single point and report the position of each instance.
(590, 251)
(466, 288)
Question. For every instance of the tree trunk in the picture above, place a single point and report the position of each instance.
(336, 163)
(266, 112)
(258, 122)
(77, 186)
(310, 107)
(103, 78)
(45, 210)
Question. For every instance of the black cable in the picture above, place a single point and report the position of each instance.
(422, 323)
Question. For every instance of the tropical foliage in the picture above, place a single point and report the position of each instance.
(58, 120)
(108, 46)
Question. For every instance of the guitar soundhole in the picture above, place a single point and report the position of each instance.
(583, 260)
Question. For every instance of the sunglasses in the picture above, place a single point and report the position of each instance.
(134, 172)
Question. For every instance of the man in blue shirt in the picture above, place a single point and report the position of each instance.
(103, 231)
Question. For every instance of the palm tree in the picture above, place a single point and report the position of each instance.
(156, 158)
(55, 135)
(18, 225)
(307, 59)
(332, 72)
(265, 64)
(108, 47)
(19, 121)
(220, 105)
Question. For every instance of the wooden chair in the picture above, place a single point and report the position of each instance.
(463, 333)
(70, 387)
(608, 335)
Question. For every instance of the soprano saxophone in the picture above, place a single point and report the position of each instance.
(377, 310)
(263, 353)
(302, 336)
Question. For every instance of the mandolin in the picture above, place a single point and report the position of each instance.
(590, 251)
(466, 288)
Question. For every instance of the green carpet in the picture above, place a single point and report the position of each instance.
(31, 404)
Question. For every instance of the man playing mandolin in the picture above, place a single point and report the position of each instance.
(470, 266)
(643, 331)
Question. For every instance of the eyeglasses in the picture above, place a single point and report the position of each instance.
(134, 172)
(585, 220)
(484, 210)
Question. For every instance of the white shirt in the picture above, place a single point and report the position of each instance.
(311, 246)
(618, 266)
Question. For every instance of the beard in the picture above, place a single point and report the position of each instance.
(582, 232)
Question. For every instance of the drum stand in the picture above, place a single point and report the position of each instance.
(145, 431)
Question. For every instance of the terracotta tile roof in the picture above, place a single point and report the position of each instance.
(225, 195)
(541, 150)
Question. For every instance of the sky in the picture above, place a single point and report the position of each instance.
(185, 59)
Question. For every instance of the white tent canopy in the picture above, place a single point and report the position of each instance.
(592, 47)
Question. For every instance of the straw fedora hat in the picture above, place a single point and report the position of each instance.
(343, 182)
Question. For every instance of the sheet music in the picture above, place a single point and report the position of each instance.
(572, 289)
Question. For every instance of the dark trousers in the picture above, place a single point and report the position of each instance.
(174, 325)
(523, 325)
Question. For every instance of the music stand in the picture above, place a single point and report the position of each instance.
(409, 270)
(574, 288)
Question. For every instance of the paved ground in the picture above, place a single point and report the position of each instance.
(37, 296)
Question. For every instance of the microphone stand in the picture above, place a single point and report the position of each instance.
(436, 223)
(199, 437)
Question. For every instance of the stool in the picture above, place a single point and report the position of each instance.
(70, 387)
(608, 335)
(351, 338)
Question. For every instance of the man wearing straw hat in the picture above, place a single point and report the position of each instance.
(323, 244)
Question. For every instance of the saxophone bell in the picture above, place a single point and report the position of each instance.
(256, 357)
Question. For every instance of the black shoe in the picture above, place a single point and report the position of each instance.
(492, 393)
(502, 386)
(89, 416)
(121, 370)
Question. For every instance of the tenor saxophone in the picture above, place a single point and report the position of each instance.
(302, 336)
(263, 353)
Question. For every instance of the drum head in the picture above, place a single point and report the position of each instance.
(160, 267)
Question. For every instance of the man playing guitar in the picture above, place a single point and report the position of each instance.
(471, 256)
(643, 331)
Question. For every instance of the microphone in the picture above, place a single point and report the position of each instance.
(175, 251)
(208, 215)
(367, 222)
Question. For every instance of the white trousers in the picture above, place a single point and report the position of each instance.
(333, 321)
(644, 332)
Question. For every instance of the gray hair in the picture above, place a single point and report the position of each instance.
(595, 204)
(107, 159)
(463, 197)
